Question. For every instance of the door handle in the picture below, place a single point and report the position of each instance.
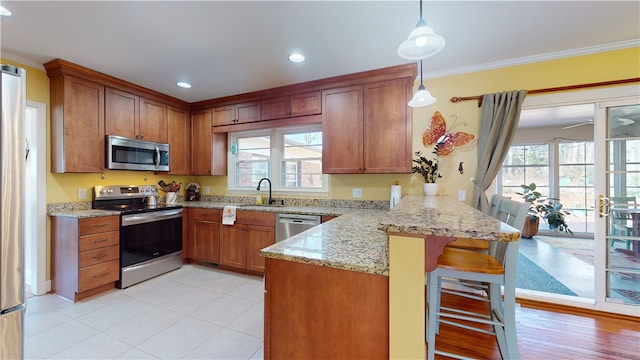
(603, 206)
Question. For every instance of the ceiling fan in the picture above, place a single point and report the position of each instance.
(589, 122)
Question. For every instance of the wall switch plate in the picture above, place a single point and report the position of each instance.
(207, 190)
(462, 195)
(82, 193)
(357, 192)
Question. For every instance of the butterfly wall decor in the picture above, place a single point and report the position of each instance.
(445, 141)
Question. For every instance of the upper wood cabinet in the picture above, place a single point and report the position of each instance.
(294, 105)
(367, 129)
(77, 125)
(179, 137)
(236, 113)
(201, 143)
(134, 117)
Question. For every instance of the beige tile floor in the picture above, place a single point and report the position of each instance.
(191, 313)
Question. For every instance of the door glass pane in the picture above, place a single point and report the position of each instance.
(623, 233)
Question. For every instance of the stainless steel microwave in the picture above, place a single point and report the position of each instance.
(133, 154)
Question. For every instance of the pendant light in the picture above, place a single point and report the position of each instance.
(421, 43)
(422, 97)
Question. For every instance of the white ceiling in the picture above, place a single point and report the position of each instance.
(232, 47)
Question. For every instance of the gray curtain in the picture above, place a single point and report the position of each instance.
(500, 115)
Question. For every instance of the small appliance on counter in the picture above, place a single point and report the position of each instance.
(193, 192)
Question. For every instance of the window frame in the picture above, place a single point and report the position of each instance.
(276, 159)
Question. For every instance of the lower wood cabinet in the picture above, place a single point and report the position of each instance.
(204, 235)
(85, 255)
(240, 243)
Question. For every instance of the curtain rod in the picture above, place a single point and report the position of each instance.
(457, 99)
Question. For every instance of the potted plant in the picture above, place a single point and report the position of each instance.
(429, 171)
(547, 209)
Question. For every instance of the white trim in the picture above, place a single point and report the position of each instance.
(533, 59)
(38, 253)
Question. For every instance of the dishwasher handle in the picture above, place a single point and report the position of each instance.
(297, 221)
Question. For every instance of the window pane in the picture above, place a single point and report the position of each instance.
(252, 160)
(302, 162)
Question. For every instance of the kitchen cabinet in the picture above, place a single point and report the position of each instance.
(367, 128)
(134, 117)
(208, 149)
(241, 242)
(85, 255)
(77, 125)
(204, 235)
(351, 323)
(236, 113)
(179, 137)
(290, 106)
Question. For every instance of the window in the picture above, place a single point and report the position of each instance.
(291, 157)
(560, 170)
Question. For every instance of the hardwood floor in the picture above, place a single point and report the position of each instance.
(549, 334)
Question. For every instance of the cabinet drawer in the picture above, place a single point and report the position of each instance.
(205, 214)
(256, 218)
(97, 256)
(99, 224)
(100, 274)
(94, 241)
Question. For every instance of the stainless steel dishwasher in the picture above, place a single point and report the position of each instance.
(288, 225)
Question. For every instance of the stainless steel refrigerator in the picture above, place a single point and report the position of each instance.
(12, 159)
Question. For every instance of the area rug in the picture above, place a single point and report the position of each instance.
(532, 277)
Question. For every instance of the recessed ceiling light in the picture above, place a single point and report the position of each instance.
(296, 57)
(183, 84)
(4, 11)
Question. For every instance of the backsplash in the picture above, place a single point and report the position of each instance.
(294, 202)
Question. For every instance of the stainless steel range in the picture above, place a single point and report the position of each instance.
(150, 233)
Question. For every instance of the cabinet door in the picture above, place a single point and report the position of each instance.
(153, 121)
(233, 246)
(259, 237)
(276, 108)
(121, 113)
(306, 104)
(201, 137)
(178, 134)
(224, 115)
(205, 244)
(387, 127)
(248, 112)
(78, 132)
(342, 130)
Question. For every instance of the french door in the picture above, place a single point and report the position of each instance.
(617, 137)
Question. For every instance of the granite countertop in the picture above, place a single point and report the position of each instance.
(444, 216)
(82, 213)
(350, 242)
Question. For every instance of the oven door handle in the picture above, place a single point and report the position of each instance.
(157, 157)
(134, 219)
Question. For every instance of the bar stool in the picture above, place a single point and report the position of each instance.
(488, 271)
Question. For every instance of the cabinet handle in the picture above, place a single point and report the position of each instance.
(100, 225)
(99, 241)
(101, 275)
(100, 256)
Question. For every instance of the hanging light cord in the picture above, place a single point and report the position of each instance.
(421, 87)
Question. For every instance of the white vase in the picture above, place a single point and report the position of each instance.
(430, 189)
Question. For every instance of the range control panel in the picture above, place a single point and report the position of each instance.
(124, 191)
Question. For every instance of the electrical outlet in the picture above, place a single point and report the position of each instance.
(462, 195)
(82, 193)
(357, 192)
(207, 190)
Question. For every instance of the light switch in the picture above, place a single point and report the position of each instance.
(357, 192)
(462, 195)
(207, 190)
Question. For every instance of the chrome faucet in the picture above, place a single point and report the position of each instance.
(271, 201)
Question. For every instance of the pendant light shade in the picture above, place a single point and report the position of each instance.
(422, 42)
(422, 97)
